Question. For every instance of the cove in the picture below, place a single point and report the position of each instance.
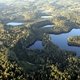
(37, 45)
(61, 40)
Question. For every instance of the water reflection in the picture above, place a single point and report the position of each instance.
(37, 45)
(61, 40)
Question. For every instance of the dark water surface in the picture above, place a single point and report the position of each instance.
(61, 40)
(37, 45)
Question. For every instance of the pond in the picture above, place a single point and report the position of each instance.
(61, 40)
(48, 26)
(14, 24)
(46, 17)
(37, 45)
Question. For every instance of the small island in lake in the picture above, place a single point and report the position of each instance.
(74, 41)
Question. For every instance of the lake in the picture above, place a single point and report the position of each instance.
(61, 40)
(14, 24)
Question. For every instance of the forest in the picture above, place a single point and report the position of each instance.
(18, 61)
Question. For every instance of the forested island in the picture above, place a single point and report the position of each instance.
(74, 41)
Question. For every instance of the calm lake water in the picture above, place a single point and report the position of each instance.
(61, 40)
(14, 24)
(37, 45)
